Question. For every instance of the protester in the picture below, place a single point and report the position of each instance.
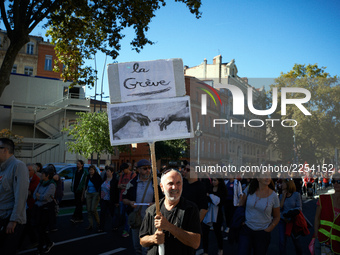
(78, 183)
(139, 190)
(327, 220)
(39, 169)
(298, 182)
(44, 195)
(178, 225)
(109, 198)
(92, 192)
(124, 179)
(58, 196)
(234, 195)
(28, 228)
(308, 180)
(291, 206)
(216, 197)
(14, 183)
(261, 203)
(194, 190)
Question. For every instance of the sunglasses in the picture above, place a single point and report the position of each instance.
(336, 181)
(146, 168)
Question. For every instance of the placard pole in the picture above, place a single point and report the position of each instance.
(161, 249)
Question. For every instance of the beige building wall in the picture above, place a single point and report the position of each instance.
(27, 57)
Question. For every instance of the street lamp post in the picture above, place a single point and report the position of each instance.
(198, 134)
(296, 159)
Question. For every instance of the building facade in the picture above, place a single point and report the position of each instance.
(38, 105)
(245, 144)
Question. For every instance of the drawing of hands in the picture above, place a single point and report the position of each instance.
(139, 118)
(121, 121)
(181, 115)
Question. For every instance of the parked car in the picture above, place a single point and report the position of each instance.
(66, 172)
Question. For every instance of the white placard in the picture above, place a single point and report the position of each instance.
(140, 80)
(151, 120)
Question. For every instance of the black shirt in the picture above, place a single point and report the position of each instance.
(196, 193)
(77, 178)
(184, 215)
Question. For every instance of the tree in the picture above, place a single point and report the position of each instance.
(171, 149)
(78, 28)
(90, 134)
(316, 135)
(17, 139)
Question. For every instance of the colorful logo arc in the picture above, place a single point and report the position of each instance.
(209, 93)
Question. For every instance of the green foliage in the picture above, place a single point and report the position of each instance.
(316, 135)
(171, 149)
(90, 134)
(17, 139)
(79, 28)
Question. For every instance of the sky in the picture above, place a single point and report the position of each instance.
(265, 37)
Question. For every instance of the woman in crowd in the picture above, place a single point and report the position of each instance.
(43, 196)
(92, 190)
(58, 196)
(327, 220)
(39, 169)
(290, 205)
(109, 197)
(234, 188)
(217, 193)
(261, 203)
(124, 179)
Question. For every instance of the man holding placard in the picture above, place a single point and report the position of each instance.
(139, 195)
(178, 225)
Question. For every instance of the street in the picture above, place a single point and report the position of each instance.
(74, 239)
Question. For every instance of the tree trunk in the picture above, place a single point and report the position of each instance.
(98, 159)
(8, 62)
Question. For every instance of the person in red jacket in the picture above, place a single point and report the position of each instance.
(308, 179)
(327, 220)
(28, 229)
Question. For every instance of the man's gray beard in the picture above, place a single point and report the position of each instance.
(167, 194)
(145, 176)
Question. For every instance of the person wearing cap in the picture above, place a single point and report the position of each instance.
(14, 184)
(124, 179)
(140, 189)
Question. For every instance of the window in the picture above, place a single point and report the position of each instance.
(209, 149)
(28, 70)
(67, 173)
(14, 69)
(30, 48)
(48, 63)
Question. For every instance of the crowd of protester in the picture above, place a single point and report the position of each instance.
(126, 195)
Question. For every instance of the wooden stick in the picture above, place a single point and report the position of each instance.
(161, 249)
(154, 175)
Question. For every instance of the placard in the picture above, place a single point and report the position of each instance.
(140, 80)
(151, 120)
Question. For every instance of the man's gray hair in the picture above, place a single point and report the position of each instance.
(169, 171)
(34, 167)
